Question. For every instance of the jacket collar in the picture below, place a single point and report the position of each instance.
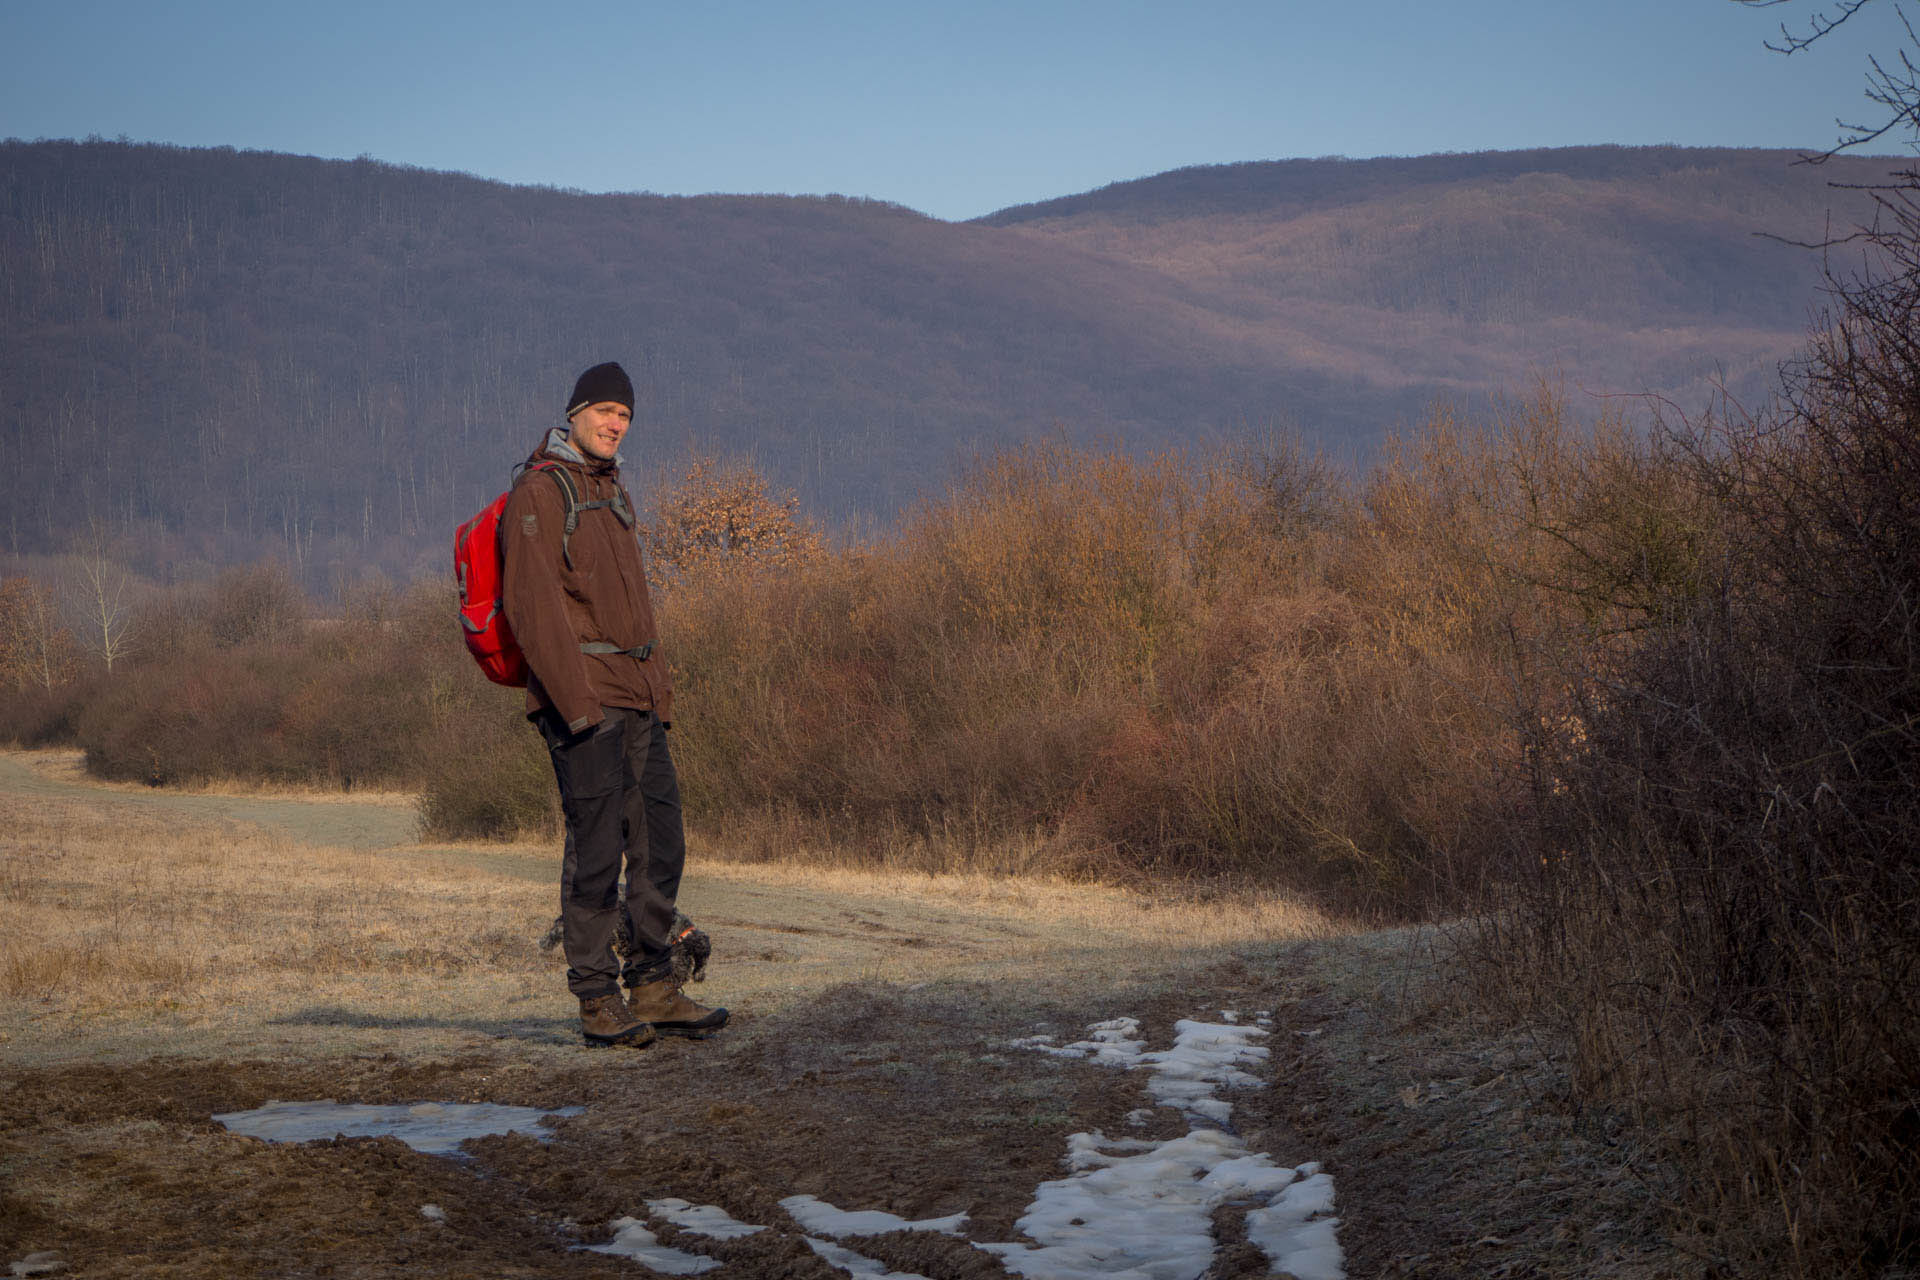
(560, 445)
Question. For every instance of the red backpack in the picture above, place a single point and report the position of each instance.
(477, 567)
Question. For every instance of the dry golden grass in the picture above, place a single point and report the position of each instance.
(129, 931)
(112, 905)
(66, 765)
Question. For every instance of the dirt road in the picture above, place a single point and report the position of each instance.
(344, 821)
(168, 957)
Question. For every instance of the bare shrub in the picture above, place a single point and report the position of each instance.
(191, 719)
(957, 678)
(174, 622)
(1328, 761)
(231, 685)
(255, 604)
(36, 649)
(39, 666)
(354, 718)
(484, 772)
(481, 769)
(1722, 904)
(1164, 669)
(37, 717)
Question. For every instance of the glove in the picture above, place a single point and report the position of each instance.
(690, 950)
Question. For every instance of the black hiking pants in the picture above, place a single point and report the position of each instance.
(622, 802)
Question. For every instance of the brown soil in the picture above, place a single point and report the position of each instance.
(891, 1089)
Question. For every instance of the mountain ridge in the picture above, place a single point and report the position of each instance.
(1223, 187)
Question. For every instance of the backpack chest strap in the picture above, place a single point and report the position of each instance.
(640, 651)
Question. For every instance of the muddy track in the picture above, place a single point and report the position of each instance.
(870, 1064)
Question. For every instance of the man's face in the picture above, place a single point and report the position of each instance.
(598, 429)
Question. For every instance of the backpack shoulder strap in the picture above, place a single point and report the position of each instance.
(570, 494)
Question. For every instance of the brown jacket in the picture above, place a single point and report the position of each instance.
(601, 596)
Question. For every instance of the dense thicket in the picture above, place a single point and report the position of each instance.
(1720, 898)
(1232, 666)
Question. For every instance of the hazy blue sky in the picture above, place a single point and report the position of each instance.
(955, 109)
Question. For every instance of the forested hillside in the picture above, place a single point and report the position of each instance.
(336, 361)
(1626, 268)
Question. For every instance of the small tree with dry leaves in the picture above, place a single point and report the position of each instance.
(722, 517)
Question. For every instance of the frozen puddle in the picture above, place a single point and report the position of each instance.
(437, 1128)
(1127, 1209)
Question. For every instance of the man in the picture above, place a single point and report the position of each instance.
(575, 594)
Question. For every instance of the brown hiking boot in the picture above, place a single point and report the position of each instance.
(606, 1020)
(671, 1013)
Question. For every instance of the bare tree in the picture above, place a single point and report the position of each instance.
(103, 599)
(1893, 79)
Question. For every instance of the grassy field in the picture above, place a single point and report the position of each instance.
(165, 957)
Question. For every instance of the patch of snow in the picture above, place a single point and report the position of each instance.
(44, 1262)
(1293, 1233)
(818, 1216)
(1139, 1115)
(1087, 1150)
(854, 1264)
(1114, 1043)
(433, 1213)
(437, 1128)
(1137, 1213)
(1254, 1175)
(1141, 1210)
(1205, 1056)
(631, 1239)
(703, 1220)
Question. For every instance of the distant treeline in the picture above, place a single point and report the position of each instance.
(333, 362)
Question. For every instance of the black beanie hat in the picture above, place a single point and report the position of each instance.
(601, 383)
